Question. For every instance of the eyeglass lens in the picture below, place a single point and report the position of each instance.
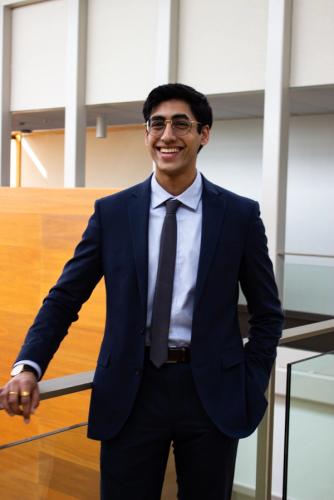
(180, 126)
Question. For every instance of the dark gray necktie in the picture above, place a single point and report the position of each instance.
(162, 302)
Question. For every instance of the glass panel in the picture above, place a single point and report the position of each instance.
(52, 414)
(309, 284)
(63, 465)
(309, 447)
(245, 470)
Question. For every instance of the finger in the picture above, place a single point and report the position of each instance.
(25, 399)
(34, 399)
(4, 400)
(8, 397)
(13, 401)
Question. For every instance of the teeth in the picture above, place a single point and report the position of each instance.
(169, 150)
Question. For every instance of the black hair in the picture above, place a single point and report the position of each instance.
(198, 102)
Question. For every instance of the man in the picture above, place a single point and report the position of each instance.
(172, 271)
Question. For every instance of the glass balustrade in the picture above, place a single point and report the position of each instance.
(244, 487)
(309, 439)
(52, 414)
(309, 284)
(39, 462)
(62, 465)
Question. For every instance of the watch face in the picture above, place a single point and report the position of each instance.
(16, 370)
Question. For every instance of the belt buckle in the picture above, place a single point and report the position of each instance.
(176, 361)
(171, 361)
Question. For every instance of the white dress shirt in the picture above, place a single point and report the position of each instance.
(189, 230)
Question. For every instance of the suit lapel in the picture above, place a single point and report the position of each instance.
(213, 210)
(138, 210)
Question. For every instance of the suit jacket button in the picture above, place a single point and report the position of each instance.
(142, 331)
(138, 372)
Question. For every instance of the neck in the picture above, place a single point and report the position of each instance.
(175, 185)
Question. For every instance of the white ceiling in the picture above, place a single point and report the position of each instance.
(306, 100)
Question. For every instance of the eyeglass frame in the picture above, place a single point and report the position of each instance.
(166, 121)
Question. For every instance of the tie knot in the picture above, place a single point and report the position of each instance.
(172, 206)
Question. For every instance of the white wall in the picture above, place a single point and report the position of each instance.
(310, 197)
(119, 160)
(222, 48)
(121, 50)
(233, 156)
(222, 44)
(312, 55)
(38, 56)
(43, 160)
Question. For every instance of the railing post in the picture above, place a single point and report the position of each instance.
(264, 452)
(75, 109)
(274, 178)
(5, 88)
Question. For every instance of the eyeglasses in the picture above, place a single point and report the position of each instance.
(180, 126)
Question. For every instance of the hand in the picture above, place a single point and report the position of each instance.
(20, 396)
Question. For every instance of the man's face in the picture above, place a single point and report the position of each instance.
(174, 154)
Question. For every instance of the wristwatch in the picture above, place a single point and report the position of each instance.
(23, 368)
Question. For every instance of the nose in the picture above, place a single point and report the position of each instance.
(168, 134)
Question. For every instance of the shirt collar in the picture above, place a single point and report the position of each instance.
(189, 198)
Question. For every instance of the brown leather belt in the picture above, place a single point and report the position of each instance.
(175, 355)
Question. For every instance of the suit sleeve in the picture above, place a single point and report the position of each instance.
(266, 318)
(63, 302)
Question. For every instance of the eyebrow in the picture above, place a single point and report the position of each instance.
(178, 115)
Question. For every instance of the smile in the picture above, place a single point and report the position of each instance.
(169, 150)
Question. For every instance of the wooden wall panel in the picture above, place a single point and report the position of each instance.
(39, 229)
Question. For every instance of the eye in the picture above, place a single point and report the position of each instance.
(157, 124)
(181, 124)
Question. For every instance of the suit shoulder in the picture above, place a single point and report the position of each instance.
(237, 198)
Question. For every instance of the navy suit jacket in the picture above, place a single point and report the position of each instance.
(230, 379)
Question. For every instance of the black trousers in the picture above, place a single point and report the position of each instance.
(167, 410)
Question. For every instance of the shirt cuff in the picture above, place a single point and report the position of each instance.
(30, 363)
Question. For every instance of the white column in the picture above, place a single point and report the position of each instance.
(274, 184)
(75, 110)
(167, 41)
(5, 84)
(276, 131)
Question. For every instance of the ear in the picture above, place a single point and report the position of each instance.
(205, 135)
(146, 138)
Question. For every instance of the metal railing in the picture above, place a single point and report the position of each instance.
(305, 254)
